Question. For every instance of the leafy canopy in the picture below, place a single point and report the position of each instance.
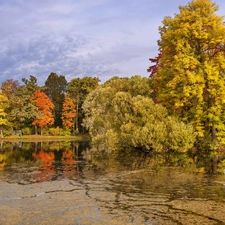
(119, 118)
(45, 107)
(189, 74)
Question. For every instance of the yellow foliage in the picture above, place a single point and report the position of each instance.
(190, 80)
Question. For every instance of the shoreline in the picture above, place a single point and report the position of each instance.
(34, 138)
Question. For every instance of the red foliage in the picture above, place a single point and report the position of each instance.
(45, 107)
(153, 69)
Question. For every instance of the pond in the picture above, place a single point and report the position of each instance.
(71, 183)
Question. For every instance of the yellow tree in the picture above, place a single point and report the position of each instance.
(3, 115)
(190, 75)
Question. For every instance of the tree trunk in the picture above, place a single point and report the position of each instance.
(214, 164)
(35, 127)
(214, 138)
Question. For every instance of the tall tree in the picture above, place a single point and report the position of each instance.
(22, 111)
(189, 75)
(68, 113)
(31, 84)
(3, 114)
(45, 108)
(55, 88)
(78, 89)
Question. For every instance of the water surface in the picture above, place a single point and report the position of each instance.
(67, 183)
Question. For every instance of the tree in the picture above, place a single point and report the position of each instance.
(31, 84)
(9, 87)
(78, 89)
(45, 108)
(21, 111)
(68, 113)
(3, 114)
(117, 117)
(55, 88)
(189, 77)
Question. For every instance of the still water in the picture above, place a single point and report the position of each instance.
(70, 183)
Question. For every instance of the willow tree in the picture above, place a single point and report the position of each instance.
(190, 69)
(119, 116)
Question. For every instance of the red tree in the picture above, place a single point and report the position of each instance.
(68, 113)
(45, 107)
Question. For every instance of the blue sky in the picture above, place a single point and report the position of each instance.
(77, 38)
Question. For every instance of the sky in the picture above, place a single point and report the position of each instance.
(77, 38)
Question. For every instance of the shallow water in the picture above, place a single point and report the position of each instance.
(63, 183)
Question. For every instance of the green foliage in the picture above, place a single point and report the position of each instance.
(22, 111)
(56, 131)
(45, 130)
(7, 131)
(27, 131)
(120, 119)
(67, 132)
(78, 90)
(55, 88)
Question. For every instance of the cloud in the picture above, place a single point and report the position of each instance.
(101, 38)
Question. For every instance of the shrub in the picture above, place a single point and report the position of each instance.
(27, 131)
(56, 131)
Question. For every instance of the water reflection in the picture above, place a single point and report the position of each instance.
(32, 162)
(91, 186)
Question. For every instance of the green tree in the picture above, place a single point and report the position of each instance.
(9, 87)
(118, 119)
(55, 88)
(78, 89)
(189, 79)
(22, 111)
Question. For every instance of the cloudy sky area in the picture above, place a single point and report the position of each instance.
(77, 38)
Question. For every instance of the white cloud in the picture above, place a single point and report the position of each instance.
(102, 38)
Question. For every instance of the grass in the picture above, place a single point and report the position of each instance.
(31, 138)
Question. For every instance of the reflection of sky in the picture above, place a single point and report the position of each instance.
(102, 38)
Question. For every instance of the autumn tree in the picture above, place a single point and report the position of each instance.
(21, 111)
(3, 114)
(68, 113)
(78, 89)
(45, 108)
(9, 87)
(189, 71)
(55, 88)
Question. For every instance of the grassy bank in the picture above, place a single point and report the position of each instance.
(39, 138)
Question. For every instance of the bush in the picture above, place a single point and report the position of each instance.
(56, 131)
(27, 131)
(7, 131)
(67, 132)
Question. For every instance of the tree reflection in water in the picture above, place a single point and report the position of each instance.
(133, 185)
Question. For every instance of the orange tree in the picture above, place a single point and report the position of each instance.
(45, 107)
(68, 113)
